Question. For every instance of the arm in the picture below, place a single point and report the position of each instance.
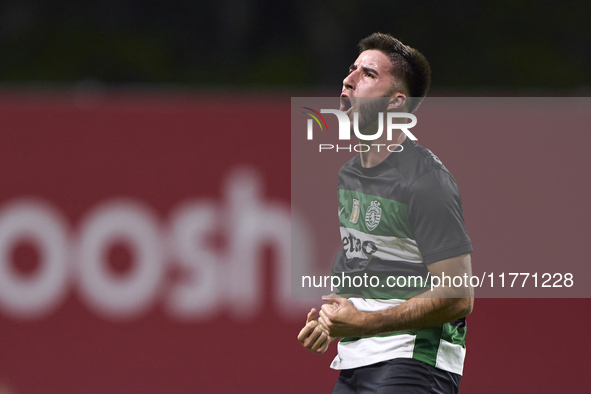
(432, 308)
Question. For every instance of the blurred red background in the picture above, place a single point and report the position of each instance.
(156, 154)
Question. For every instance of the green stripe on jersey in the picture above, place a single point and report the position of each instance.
(427, 345)
(373, 215)
(454, 334)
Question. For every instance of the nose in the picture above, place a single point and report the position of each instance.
(349, 81)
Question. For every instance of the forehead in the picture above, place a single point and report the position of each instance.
(375, 59)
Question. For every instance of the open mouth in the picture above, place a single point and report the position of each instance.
(346, 105)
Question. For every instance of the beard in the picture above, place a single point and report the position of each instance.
(368, 109)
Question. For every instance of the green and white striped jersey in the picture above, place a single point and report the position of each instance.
(395, 219)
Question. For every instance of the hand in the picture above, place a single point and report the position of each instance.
(340, 318)
(312, 337)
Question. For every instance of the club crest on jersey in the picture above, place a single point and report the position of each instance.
(354, 211)
(373, 215)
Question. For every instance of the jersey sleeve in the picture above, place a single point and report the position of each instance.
(435, 216)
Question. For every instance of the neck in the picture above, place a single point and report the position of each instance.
(378, 149)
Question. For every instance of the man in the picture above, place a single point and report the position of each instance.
(401, 216)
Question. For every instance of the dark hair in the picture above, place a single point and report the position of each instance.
(409, 65)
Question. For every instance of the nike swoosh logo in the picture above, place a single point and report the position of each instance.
(341, 210)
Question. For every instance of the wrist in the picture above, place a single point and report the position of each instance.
(375, 323)
(370, 323)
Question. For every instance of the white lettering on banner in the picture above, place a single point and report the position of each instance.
(37, 222)
(112, 295)
(196, 295)
(212, 279)
(253, 224)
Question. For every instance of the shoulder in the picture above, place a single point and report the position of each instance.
(350, 169)
(422, 169)
(417, 161)
(350, 164)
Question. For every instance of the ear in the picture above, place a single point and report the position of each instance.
(397, 101)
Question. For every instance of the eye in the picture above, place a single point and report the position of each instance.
(367, 74)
